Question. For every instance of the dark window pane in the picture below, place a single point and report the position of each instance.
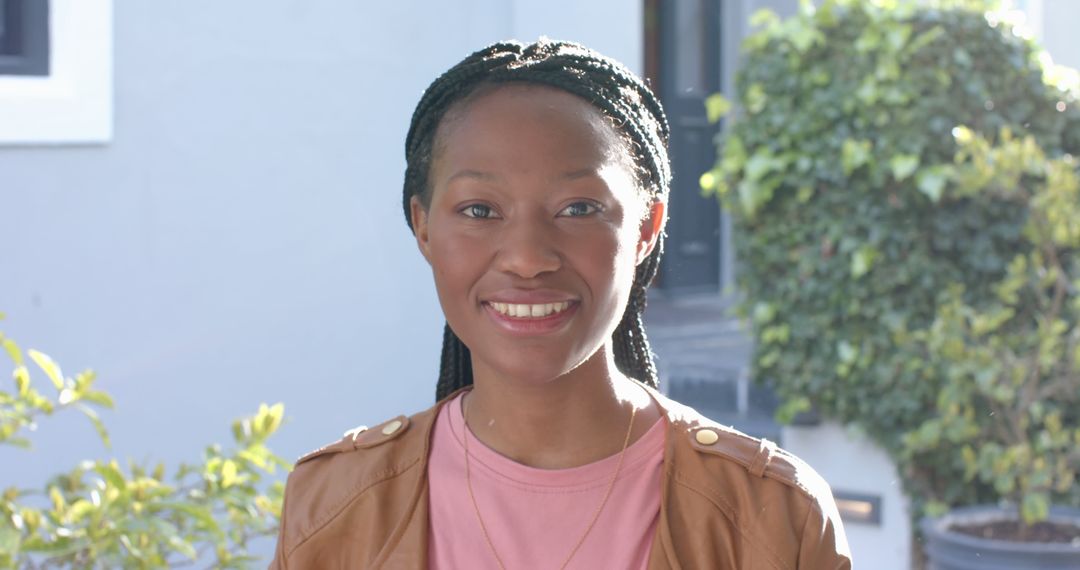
(24, 37)
(6, 39)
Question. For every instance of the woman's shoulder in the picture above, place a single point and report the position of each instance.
(715, 450)
(396, 439)
(327, 480)
(768, 493)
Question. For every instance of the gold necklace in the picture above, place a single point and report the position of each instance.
(596, 515)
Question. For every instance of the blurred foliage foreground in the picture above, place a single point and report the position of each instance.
(903, 181)
(101, 515)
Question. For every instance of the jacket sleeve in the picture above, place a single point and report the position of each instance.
(824, 544)
(278, 563)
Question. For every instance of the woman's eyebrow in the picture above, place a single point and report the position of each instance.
(580, 173)
(473, 174)
(492, 177)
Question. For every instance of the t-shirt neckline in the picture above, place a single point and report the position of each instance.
(582, 477)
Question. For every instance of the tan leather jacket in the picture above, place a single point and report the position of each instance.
(736, 503)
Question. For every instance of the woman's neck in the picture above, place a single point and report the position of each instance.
(572, 420)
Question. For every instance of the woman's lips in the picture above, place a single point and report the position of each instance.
(549, 316)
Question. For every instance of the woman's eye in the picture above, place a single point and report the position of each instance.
(482, 211)
(578, 209)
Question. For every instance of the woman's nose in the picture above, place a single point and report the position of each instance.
(527, 250)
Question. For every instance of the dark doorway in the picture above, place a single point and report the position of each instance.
(682, 60)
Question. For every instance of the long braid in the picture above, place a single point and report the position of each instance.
(455, 369)
(606, 84)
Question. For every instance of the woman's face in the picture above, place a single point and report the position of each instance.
(534, 229)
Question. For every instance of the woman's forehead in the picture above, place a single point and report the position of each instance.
(500, 118)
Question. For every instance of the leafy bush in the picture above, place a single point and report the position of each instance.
(100, 515)
(856, 227)
(1009, 403)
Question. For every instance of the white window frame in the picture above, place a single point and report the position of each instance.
(74, 104)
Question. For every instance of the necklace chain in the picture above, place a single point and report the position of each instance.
(595, 517)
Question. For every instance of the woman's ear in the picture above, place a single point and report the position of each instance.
(652, 226)
(419, 218)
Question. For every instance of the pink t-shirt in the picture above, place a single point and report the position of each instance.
(535, 516)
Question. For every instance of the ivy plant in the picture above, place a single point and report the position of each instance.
(867, 216)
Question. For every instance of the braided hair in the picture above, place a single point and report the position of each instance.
(606, 84)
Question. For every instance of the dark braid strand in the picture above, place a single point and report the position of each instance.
(455, 369)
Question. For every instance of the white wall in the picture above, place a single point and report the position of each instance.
(241, 238)
(851, 463)
(1059, 20)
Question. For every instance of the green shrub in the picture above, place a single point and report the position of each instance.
(852, 230)
(1008, 409)
(100, 515)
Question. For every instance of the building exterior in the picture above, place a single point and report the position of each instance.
(201, 201)
(215, 220)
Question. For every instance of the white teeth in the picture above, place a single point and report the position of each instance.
(520, 310)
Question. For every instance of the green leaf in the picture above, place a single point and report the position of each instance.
(99, 426)
(60, 547)
(13, 351)
(200, 513)
(862, 260)
(709, 181)
(903, 165)
(716, 106)
(931, 182)
(183, 547)
(764, 18)
(228, 474)
(761, 164)
(764, 313)
(805, 193)
(100, 398)
(924, 39)
(1035, 507)
(936, 508)
(111, 473)
(755, 98)
(22, 380)
(853, 154)
(846, 352)
(79, 509)
(802, 36)
(49, 366)
(274, 416)
(792, 407)
(10, 539)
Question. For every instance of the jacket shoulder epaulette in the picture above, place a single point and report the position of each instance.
(760, 457)
(324, 481)
(361, 437)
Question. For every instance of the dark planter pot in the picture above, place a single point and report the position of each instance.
(948, 550)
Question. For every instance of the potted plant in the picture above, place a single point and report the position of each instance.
(1008, 408)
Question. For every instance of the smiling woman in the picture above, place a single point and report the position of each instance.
(536, 189)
